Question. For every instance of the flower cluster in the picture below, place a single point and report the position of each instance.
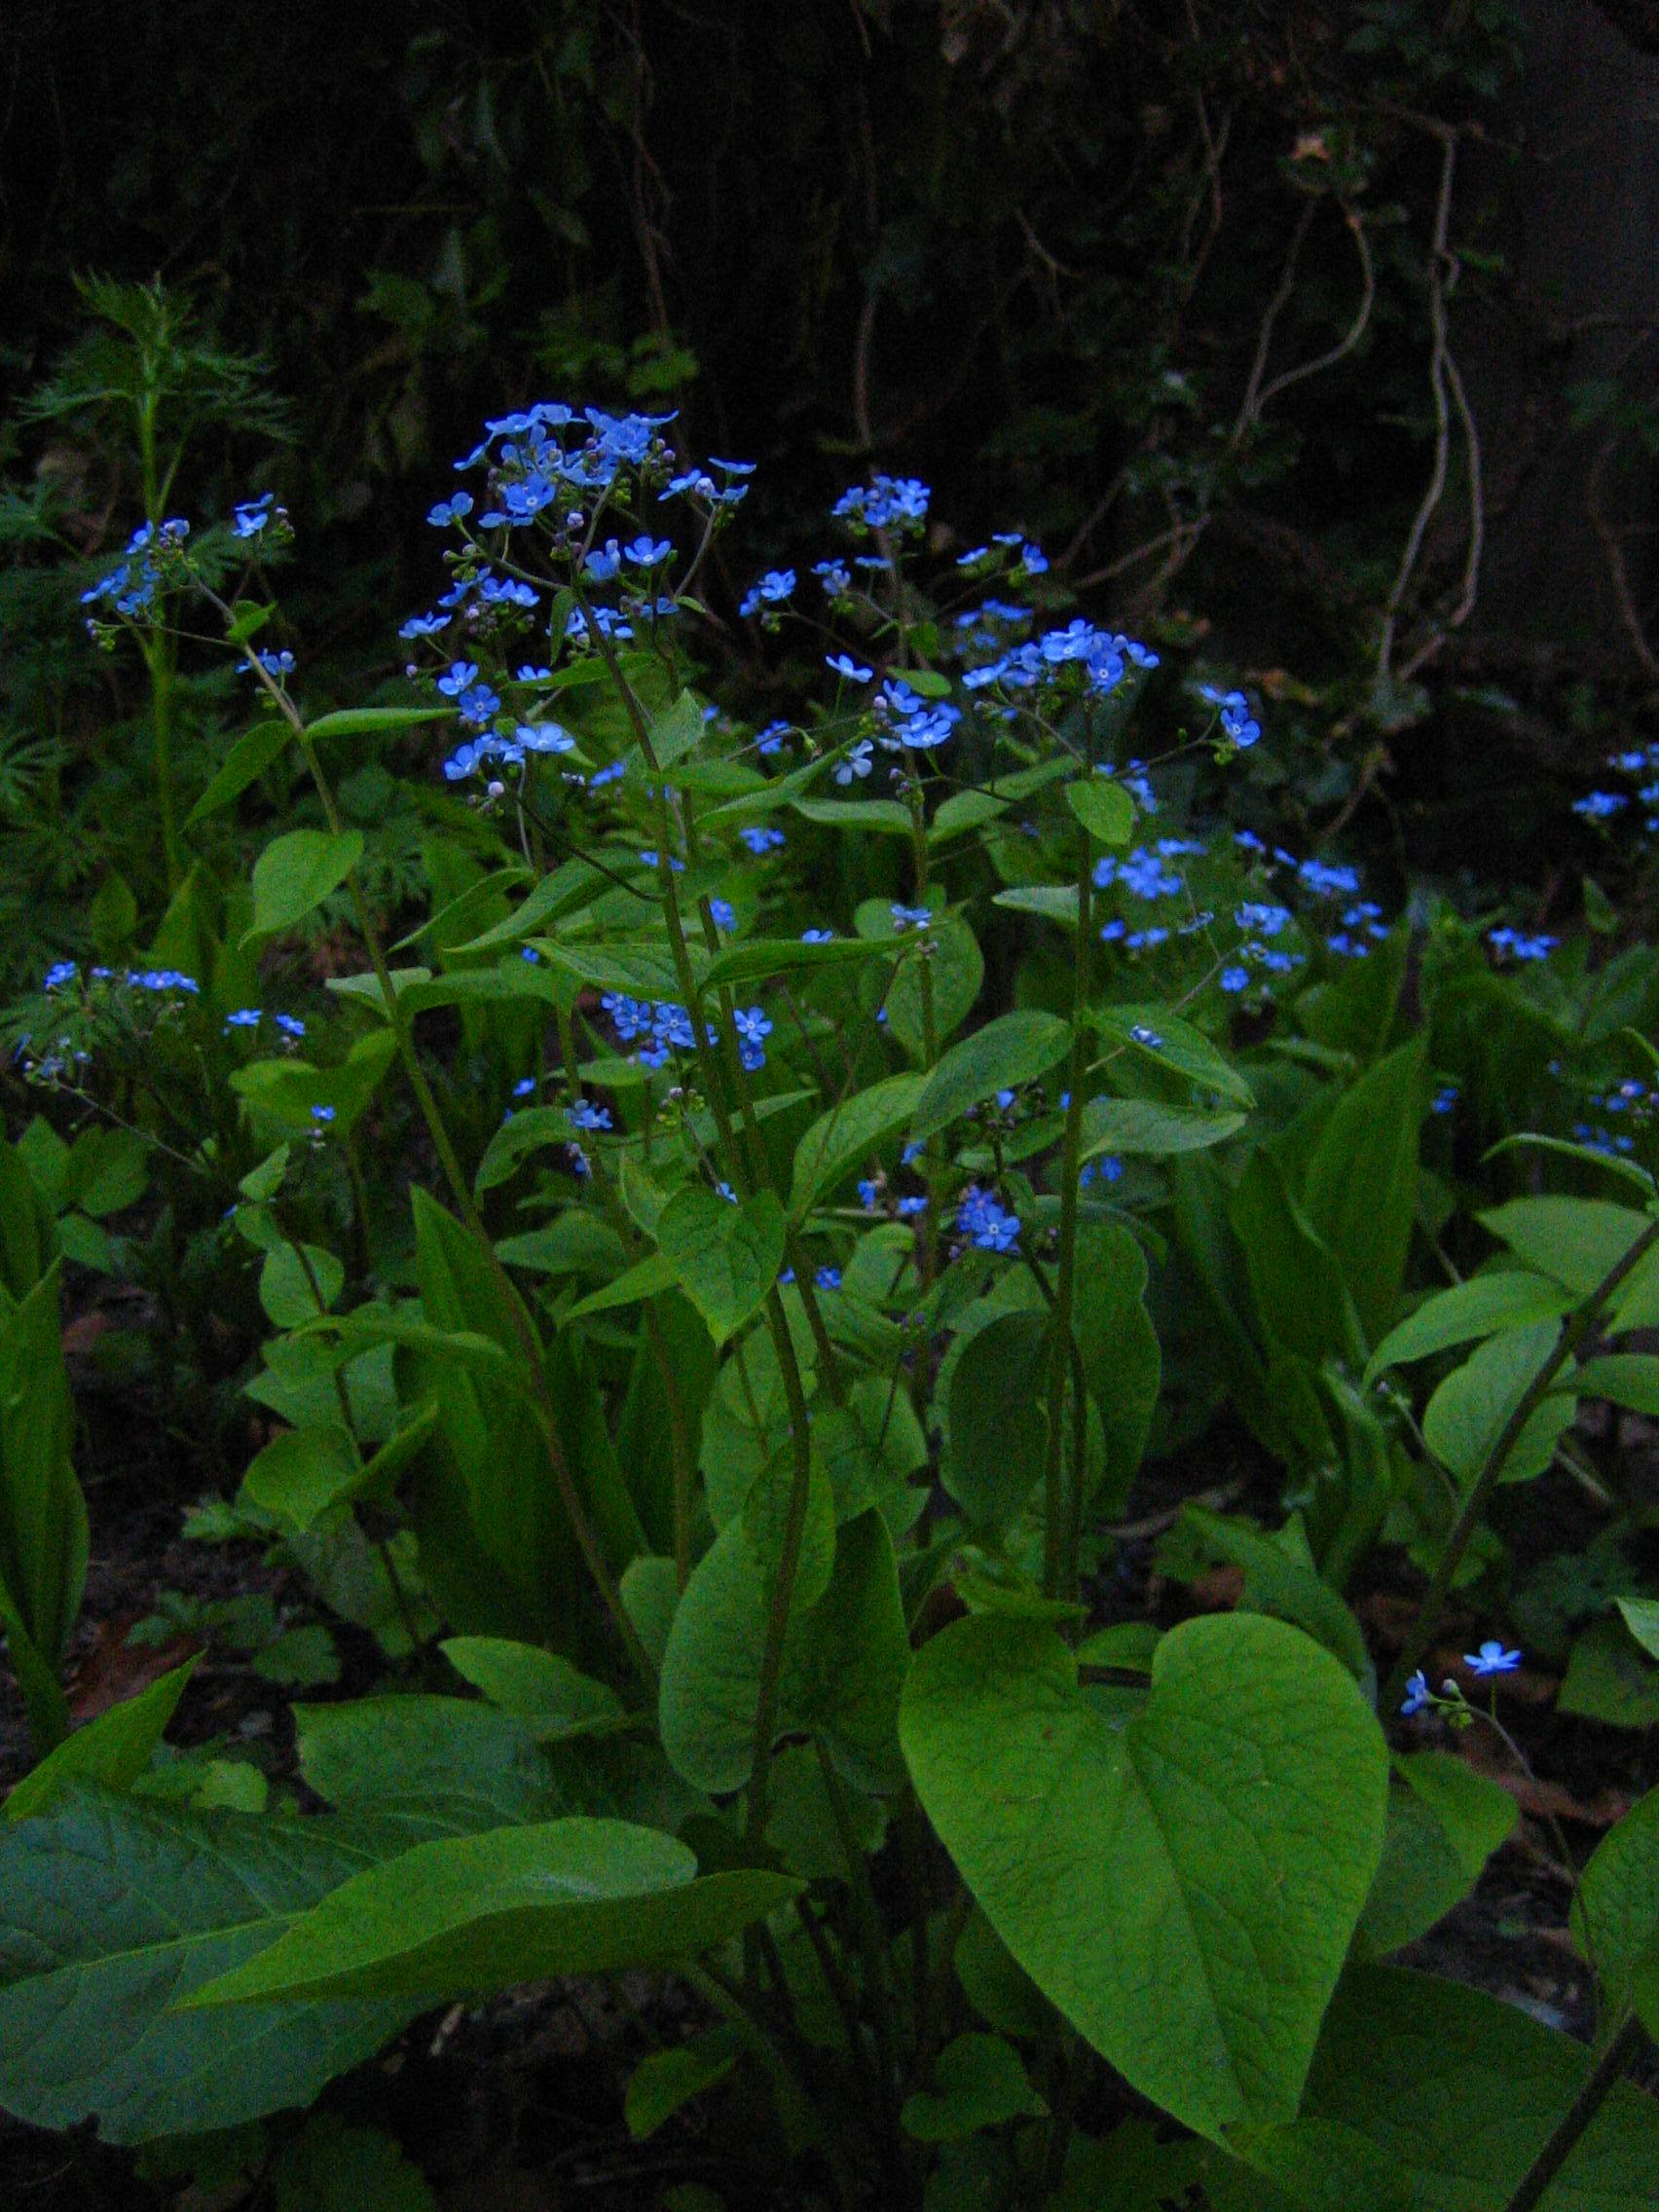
(984, 1223)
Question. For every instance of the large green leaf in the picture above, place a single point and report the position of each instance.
(727, 1256)
(436, 1766)
(244, 763)
(1014, 1048)
(1183, 1885)
(469, 1915)
(1615, 1915)
(1105, 809)
(1461, 2091)
(957, 969)
(297, 872)
(1159, 1038)
(844, 1661)
(1302, 1301)
(163, 1899)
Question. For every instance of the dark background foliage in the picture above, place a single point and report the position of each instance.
(1316, 336)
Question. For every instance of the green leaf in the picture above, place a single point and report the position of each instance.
(1011, 1050)
(1445, 1822)
(1051, 901)
(1461, 2091)
(297, 874)
(373, 721)
(958, 970)
(1178, 1045)
(665, 2082)
(1511, 1299)
(727, 1257)
(1615, 1914)
(1578, 1241)
(304, 1474)
(1465, 1416)
(244, 763)
(1608, 1680)
(1360, 1190)
(980, 2083)
(336, 2168)
(435, 1767)
(845, 1137)
(645, 1279)
(294, 1290)
(844, 1661)
(470, 1915)
(531, 1130)
(1275, 1582)
(995, 1428)
(884, 814)
(114, 1748)
(1302, 1303)
(961, 812)
(164, 1899)
(761, 958)
(1182, 1885)
(550, 1696)
(644, 971)
(1104, 808)
(1628, 1378)
(43, 1516)
(1642, 1618)
(1145, 1127)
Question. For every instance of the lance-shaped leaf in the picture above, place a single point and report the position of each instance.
(472, 1914)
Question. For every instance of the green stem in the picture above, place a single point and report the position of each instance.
(1060, 1522)
(799, 2114)
(1428, 1621)
(872, 1944)
(1564, 2138)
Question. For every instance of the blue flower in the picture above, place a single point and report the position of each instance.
(1491, 1659)
(253, 515)
(834, 576)
(583, 1116)
(888, 502)
(459, 674)
(773, 738)
(817, 937)
(984, 1223)
(908, 1207)
(870, 1191)
(1596, 806)
(1235, 979)
(602, 563)
(774, 587)
(449, 511)
(760, 840)
(544, 737)
(910, 917)
(1419, 1695)
(525, 1087)
(1444, 1099)
(856, 763)
(244, 1017)
(322, 1113)
(1521, 947)
(723, 914)
(1150, 1037)
(476, 706)
(289, 1024)
(648, 552)
(828, 1278)
(751, 1023)
(844, 665)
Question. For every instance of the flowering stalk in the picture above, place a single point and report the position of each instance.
(1427, 1622)
(1061, 1520)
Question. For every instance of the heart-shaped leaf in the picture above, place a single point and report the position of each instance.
(1183, 1885)
(727, 1257)
(297, 874)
